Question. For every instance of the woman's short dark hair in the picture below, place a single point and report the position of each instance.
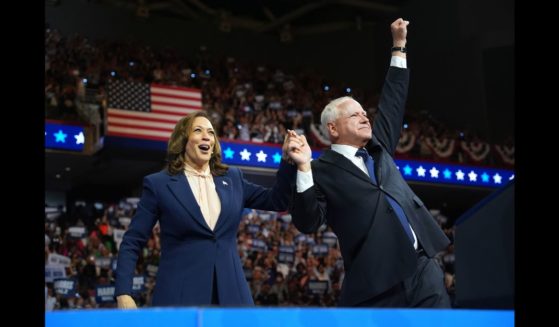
(176, 148)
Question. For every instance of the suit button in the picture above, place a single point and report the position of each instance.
(381, 187)
(214, 238)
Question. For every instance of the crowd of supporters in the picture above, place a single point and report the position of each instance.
(247, 101)
(283, 267)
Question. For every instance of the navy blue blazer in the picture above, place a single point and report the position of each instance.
(190, 250)
(377, 252)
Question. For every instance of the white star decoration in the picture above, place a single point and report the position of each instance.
(497, 178)
(261, 156)
(472, 176)
(80, 139)
(460, 175)
(434, 172)
(245, 155)
(421, 171)
(511, 177)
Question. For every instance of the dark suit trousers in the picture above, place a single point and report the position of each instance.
(424, 289)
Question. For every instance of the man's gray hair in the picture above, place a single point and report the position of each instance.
(330, 112)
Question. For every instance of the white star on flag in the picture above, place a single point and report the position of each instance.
(497, 178)
(472, 176)
(261, 156)
(434, 172)
(511, 177)
(80, 138)
(459, 175)
(421, 171)
(245, 155)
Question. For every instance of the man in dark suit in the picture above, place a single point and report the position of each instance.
(386, 235)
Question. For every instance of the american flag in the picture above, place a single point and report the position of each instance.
(148, 111)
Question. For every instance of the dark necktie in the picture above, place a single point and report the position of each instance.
(369, 162)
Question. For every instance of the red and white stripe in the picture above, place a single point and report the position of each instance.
(168, 105)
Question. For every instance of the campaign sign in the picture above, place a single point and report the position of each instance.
(259, 245)
(286, 257)
(104, 293)
(318, 286)
(53, 272)
(138, 284)
(60, 260)
(77, 231)
(114, 261)
(329, 238)
(118, 234)
(300, 238)
(253, 229)
(152, 270)
(65, 287)
(320, 250)
(286, 253)
(103, 262)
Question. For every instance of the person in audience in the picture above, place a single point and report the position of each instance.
(387, 237)
(198, 202)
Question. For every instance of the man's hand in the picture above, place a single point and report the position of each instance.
(125, 302)
(399, 30)
(298, 150)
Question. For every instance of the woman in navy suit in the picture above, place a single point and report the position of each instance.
(198, 202)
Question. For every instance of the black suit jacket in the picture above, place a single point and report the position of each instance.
(376, 250)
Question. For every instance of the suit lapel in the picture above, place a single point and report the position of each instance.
(342, 162)
(223, 187)
(181, 190)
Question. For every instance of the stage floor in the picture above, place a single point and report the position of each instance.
(280, 317)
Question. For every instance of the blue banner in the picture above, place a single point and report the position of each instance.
(267, 155)
(254, 154)
(64, 137)
(431, 172)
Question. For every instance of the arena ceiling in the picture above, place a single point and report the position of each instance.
(270, 16)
